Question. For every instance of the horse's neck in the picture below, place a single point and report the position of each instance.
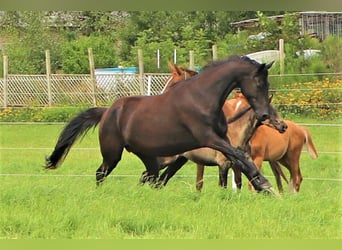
(214, 85)
(242, 129)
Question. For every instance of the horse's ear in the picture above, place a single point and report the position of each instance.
(268, 66)
(178, 70)
(265, 66)
(171, 66)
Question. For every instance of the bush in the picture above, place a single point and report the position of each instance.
(34, 114)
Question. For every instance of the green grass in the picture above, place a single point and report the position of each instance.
(65, 203)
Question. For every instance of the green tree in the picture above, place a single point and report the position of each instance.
(75, 54)
(330, 48)
(30, 38)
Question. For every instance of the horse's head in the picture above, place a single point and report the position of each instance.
(273, 120)
(254, 84)
(177, 74)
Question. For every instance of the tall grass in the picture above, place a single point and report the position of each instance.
(65, 203)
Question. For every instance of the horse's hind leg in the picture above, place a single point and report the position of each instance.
(171, 170)
(107, 166)
(111, 155)
(237, 177)
(152, 168)
(223, 174)
(199, 177)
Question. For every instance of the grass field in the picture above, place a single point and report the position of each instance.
(65, 203)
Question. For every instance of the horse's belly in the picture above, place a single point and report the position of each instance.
(204, 156)
(159, 145)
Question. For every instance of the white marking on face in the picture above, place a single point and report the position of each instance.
(238, 105)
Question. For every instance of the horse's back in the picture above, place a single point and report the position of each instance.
(269, 142)
(150, 124)
(298, 136)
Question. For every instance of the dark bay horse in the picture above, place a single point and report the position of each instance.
(242, 125)
(152, 126)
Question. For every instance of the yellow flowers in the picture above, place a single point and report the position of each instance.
(319, 98)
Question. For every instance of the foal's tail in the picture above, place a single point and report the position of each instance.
(309, 143)
(76, 128)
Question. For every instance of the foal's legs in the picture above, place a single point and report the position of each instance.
(242, 160)
(291, 162)
(275, 166)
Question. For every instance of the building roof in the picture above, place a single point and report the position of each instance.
(251, 22)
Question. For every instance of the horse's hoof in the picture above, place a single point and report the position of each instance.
(271, 191)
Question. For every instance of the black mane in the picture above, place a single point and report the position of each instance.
(231, 58)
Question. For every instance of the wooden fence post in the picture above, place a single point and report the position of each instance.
(92, 74)
(5, 59)
(141, 71)
(281, 56)
(48, 76)
(192, 60)
(214, 48)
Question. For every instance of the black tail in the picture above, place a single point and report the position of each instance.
(73, 130)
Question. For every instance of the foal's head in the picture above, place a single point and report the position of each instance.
(177, 74)
(253, 80)
(273, 121)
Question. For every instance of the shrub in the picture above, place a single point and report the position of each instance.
(43, 114)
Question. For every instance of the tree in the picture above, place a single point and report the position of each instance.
(75, 54)
(30, 38)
